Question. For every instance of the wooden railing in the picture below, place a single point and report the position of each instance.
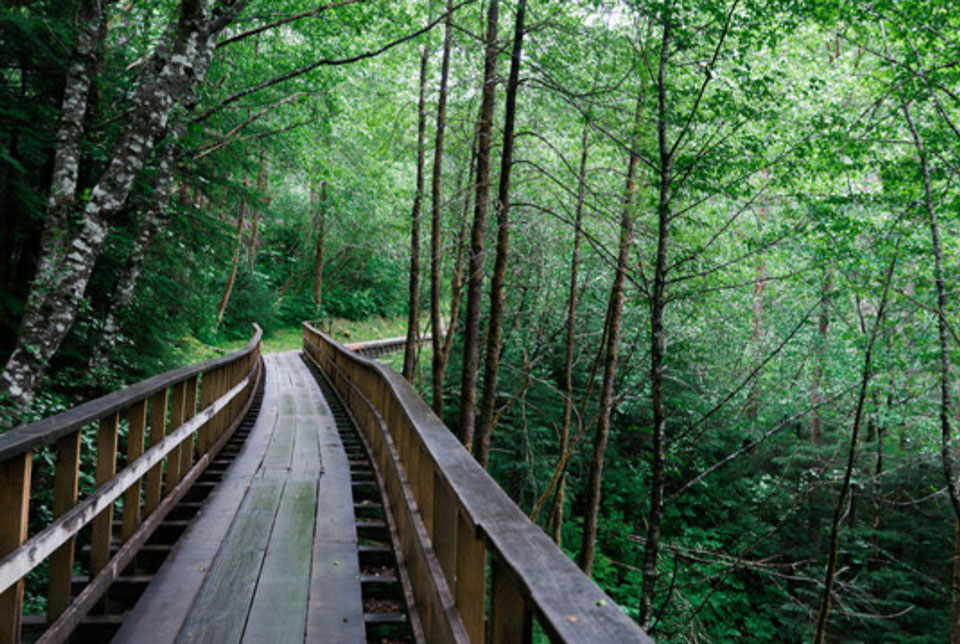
(450, 515)
(182, 441)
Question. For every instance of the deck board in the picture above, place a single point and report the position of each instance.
(279, 611)
(218, 614)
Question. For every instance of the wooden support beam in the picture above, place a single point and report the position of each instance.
(189, 411)
(131, 498)
(445, 529)
(208, 394)
(65, 479)
(15, 501)
(471, 579)
(176, 419)
(106, 468)
(158, 431)
(510, 621)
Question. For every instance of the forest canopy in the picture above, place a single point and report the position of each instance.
(689, 267)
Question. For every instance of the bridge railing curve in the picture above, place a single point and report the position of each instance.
(466, 518)
(190, 414)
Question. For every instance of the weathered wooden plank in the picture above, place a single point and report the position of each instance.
(65, 480)
(220, 611)
(131, 498)
(306, 458)
(280, 453)
(15, 501)
(106, 469)
(335, 613)
(445, 529)
(158, 430)
(177, 406)
(279, 611)
(335, 496)
(509, 617)
(189, 411)
(571, 608)
(470, 594)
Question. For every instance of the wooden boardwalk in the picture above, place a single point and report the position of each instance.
(272, 557)
(356, 518)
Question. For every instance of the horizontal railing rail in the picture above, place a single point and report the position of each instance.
(190, 413)
(431, 481)
(386, 346)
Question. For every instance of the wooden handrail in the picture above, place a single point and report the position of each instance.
(44, 432)
(466, 515)
(181, 445)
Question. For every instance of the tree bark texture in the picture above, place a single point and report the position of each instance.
(612, 335)
(556, 517)
(413, 298)
(488, 402)
(658, 346)
(62, 278)
(235, 260)
(955, 588)
(127, 284)
(820, 359)
(946, 440)
(839, 509)
(471, 336)
(436, 222)
(319, 203)
(263, 186)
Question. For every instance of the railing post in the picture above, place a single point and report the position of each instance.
(158, 430)
(445, 528)
(106, 468)
(510, 621)
(424, 476)
(15, 501)
(470, 593)
(176, 419)
(131, 498)
(66, 475)
(189, 411)
(207, 396)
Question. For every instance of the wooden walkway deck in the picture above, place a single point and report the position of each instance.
(272, 558)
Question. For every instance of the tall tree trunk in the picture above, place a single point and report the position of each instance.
(263, 185)
(658, 346)
(471, 336)
(456, 278)
(23, 370)
(946, 446)
(127, 284)
(840, 508)
(612, 335)
(62, 278)
(235, 260)
(502, 208)
(820, 358)
(756, 333)
(556, 516)
(955, 587)
(319, 203)
(413, 297)
(436, 221)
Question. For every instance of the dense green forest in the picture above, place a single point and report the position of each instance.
(688, 265)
